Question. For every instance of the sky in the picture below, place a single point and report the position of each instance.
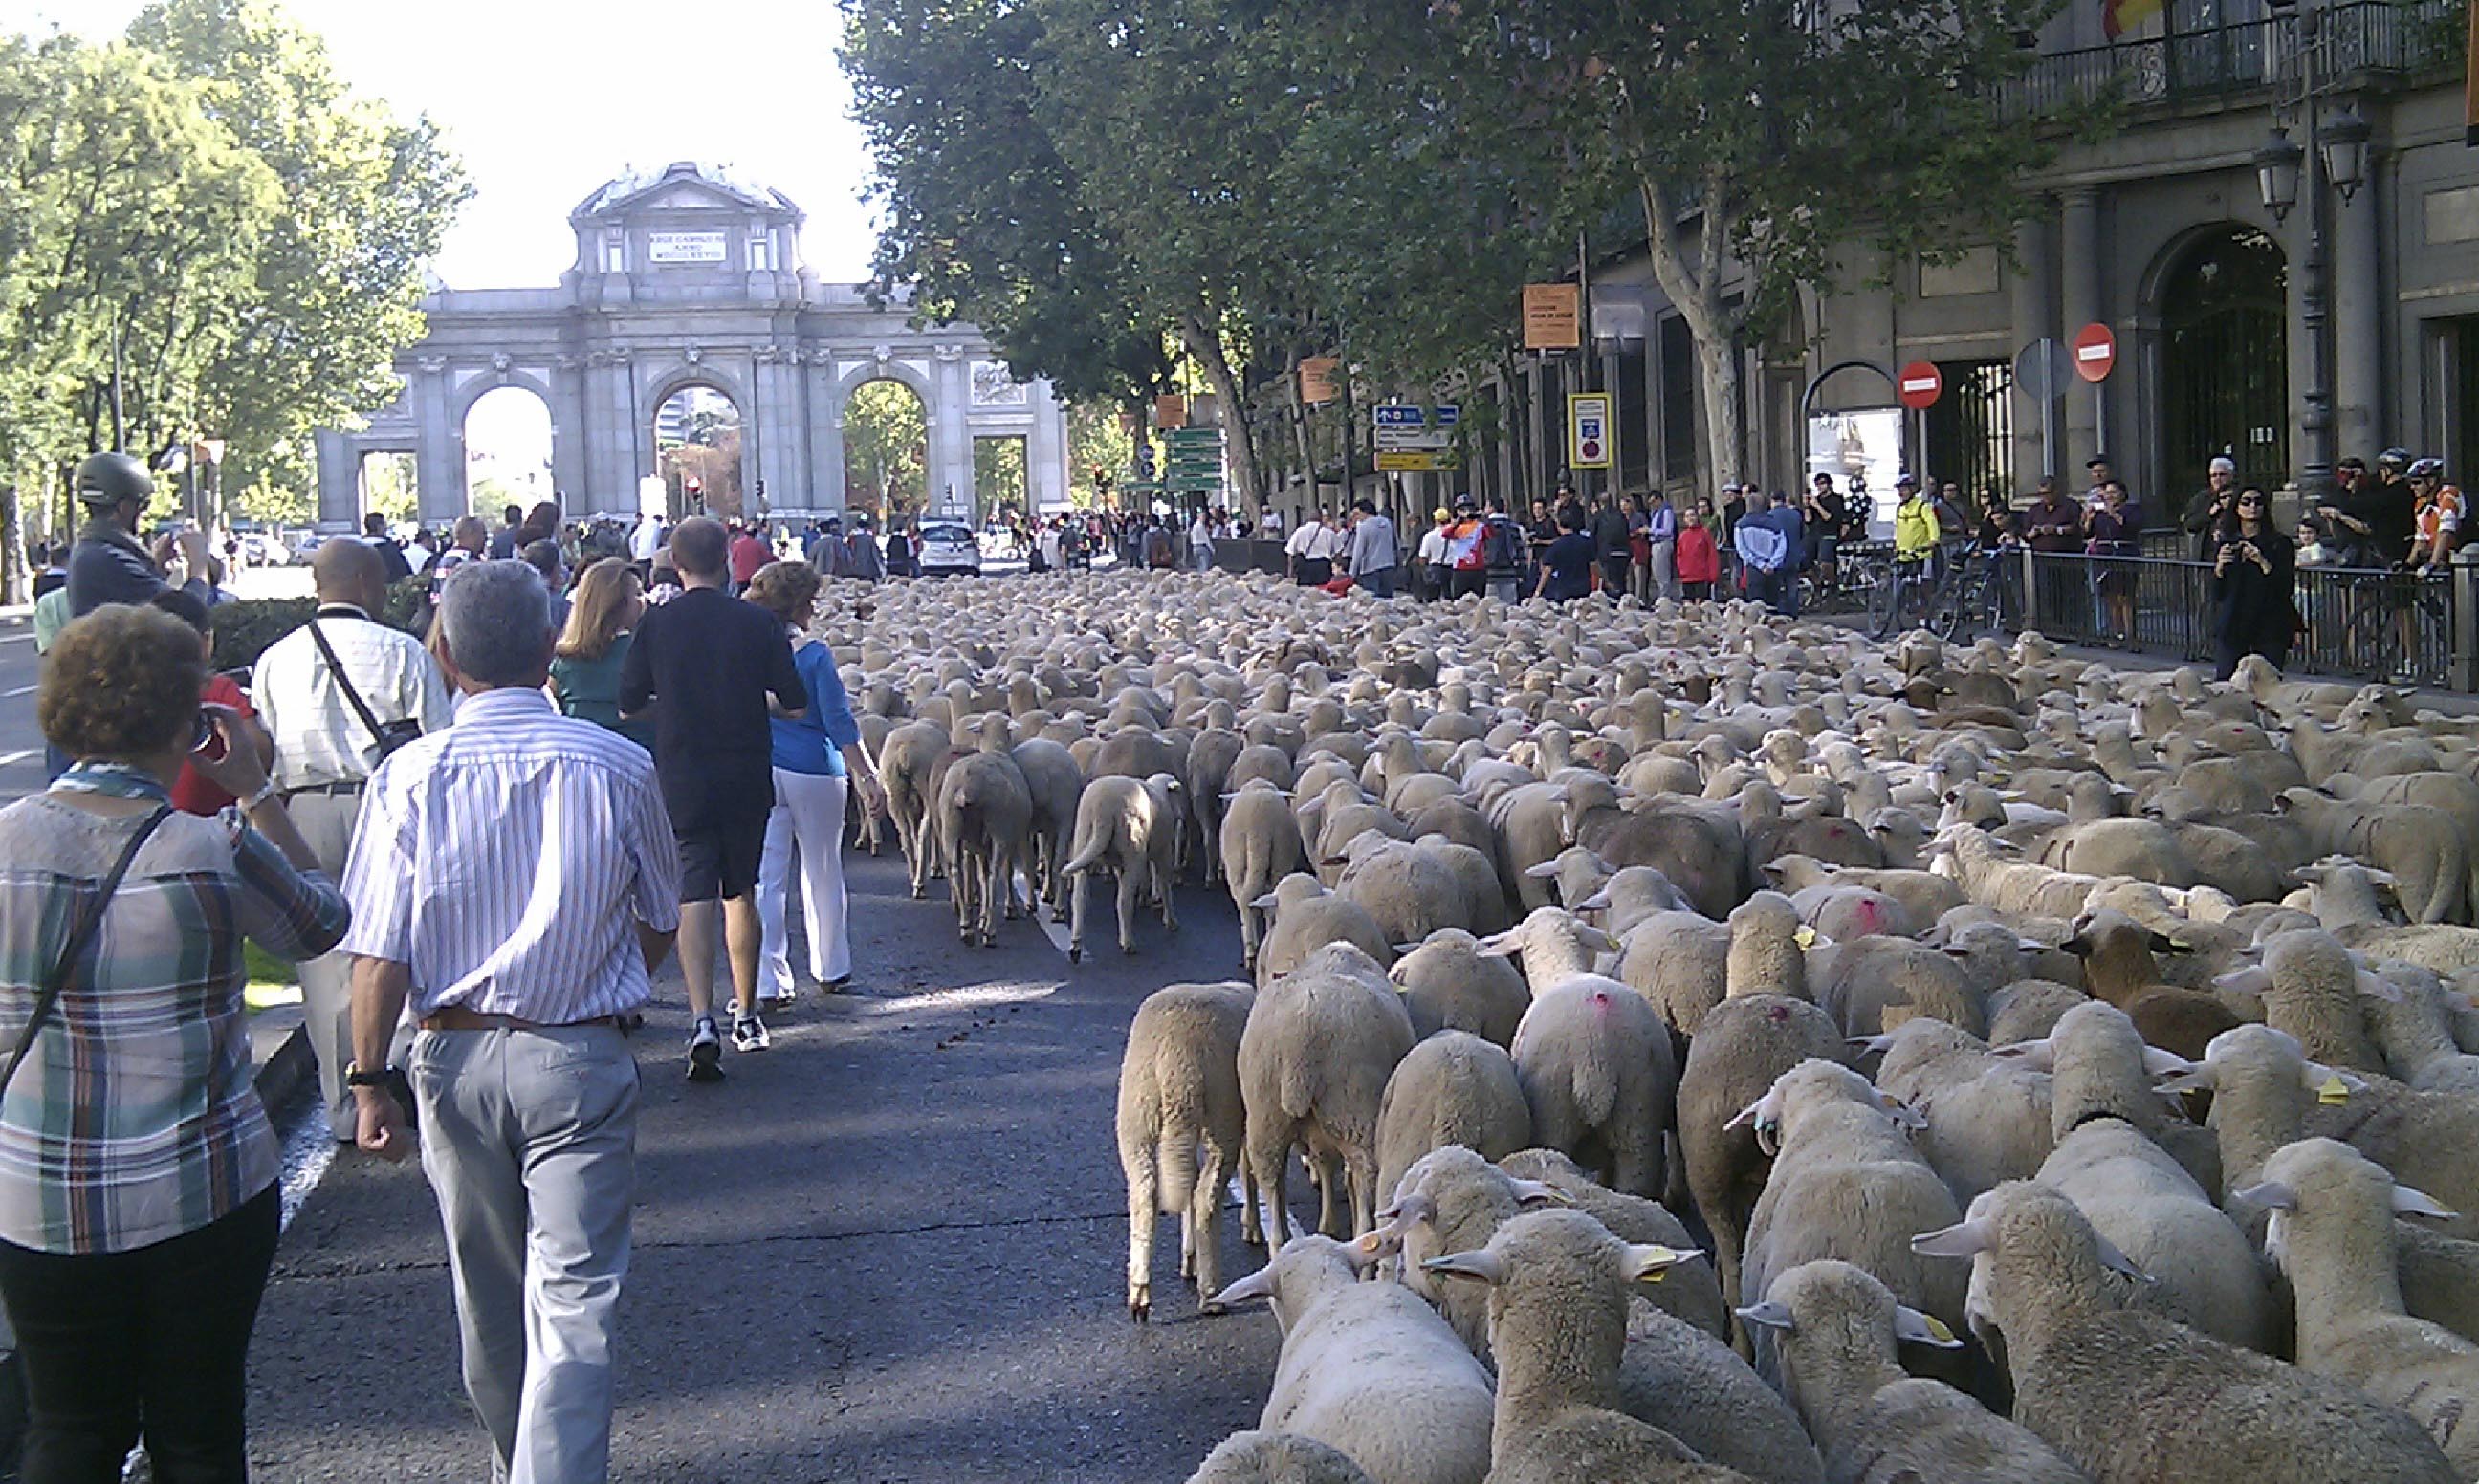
(547, 99)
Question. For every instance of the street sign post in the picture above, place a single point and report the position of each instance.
(1588, 430)
(1552, 317)
(2095, 352)
(1414, 440)
(1920, 385)
(2040, 374)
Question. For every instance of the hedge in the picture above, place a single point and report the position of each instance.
(244, 630)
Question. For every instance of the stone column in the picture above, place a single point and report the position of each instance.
(615, 449)
(824, 413)
(1046, 452)
(2030, 291)
(951, 490)
(2079, 261)
(569, 472)
(783, 458)
(340, 479)
(439, 446)
(2358, 314)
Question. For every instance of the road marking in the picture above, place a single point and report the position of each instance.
(17, 638)
(1055, 932)
(22, 755)
(23, 690)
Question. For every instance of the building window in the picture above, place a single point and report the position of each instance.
(1678, 400)
(1971, 432)
(615, 251)
(761, 254)
(2225, 362)
(1634, 420)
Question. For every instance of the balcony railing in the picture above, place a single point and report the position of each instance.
(2358, 36)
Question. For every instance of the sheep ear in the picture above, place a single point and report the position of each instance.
(2118, 1261)
(2041, 1055)
(2163, 943)
(1880, 1044)
(2158, 1062)
(1257, 1284)
(1595, 939)
(2031, 945)
(1498, 945)
(1905, 1116)
(1922, 1329)
(2315, 874)
(1376, 1243)
(1536, 1193)
(1266, 902)
(2077, 945)
(1745, 1115)
(1773, 1313)
(2254, 979)
(1598, 901)
(2272, 1194)
(2381, 987)
(1481, 1265)
(1546, 871)
(2331, 1085)
(1650, 1262)
(2197, 1078)
(1405, 948)
(1964, 1238)
(2409, 1202)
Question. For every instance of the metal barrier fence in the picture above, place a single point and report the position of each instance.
(2365, 623)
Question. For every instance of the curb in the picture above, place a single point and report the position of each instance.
(284, 1066)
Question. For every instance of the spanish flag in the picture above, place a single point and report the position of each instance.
(2118, 16)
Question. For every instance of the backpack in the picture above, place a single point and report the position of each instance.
(1501, 545)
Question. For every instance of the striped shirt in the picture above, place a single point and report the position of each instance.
(134, 1118)
(320, 738)
(507, 860)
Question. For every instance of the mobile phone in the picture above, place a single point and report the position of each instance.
(207, 742)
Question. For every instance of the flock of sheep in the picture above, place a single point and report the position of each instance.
(1730, 1048)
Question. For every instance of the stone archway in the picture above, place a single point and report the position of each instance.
(2218, 305)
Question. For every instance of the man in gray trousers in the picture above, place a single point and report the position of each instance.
(515, 878)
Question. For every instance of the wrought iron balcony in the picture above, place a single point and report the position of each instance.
(2357, 38)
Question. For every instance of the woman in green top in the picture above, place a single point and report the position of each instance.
(585, 665)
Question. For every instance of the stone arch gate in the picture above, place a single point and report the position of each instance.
(687, 277)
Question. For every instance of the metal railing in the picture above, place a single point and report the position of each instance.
(2362, 35)
(2362, 623)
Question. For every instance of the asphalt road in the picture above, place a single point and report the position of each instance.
(21, 742)
(889, 1249)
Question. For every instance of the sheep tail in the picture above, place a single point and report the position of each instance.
(1175, 1166)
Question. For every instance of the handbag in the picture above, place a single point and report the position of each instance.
(80, 933)
(389, 735)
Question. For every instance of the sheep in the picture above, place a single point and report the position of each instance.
(1260, 1457)
(1743, 1045)
(2139, 848)
(2100, 1068)
(1452, 1087)
(1836, 1330)
(910, 763)
(1407, 891)
(1596, 1065)
(1846, 1183)
(2332, 1232)
(1054, 783)
(1181, 1125)
(1319, 1046)
(1130, 827)
(985, 814)
(1679, 964)
(1447, 1201)
(2118, 967)
(2131, 1397)
(1872, 983)
(1557, 1284)
(1369, 1369)
(2346, 898)
(1692, 1293)
(1987, 1117)
(2310, 990)
(1307, 918)
(2429, 861)
(1261, 845)
(1449, 984)
(2029, 1009)
(2410, 1019)
(1923, 894)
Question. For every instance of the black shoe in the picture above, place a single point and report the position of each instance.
(705, 1052)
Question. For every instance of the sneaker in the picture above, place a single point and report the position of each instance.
(705, 1052)
(748, 1034)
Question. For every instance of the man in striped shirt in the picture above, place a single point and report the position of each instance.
(515, 878)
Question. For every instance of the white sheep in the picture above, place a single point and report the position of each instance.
(1260, 1457)
(1452, 1087)
(1180, 1124)
(1836, 1330)
(1369, 1368)
(2429, 861)
(1874, 984)
(1320, 1044)
(1743, 1044)
(1449, 984)
(1261, 845)
(1987, 1117)
(1306, 918)
(2131, 1397)
(1130, 827)
(1596, 1065)
(1693, 1292)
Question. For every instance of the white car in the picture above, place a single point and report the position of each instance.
(948, 547)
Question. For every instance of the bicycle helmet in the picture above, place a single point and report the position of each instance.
(106, 479)
(2427, 469)
(2393, 456)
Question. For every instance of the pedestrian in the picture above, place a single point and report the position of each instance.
(2255, 584)
(1699, 557)
(1160, 554)
(138, 1201)
(865, 560)
(900, 551)
(646, 538)
(1918, 532)
(1764, 551)
(749, 552)
(1567, 565)
(1311, 554)
(338, 695)
(503, 541)
(393, 562)
(1429, 568)
(2437, 517)
(544, 557)
(1609, 533)
(817, 757)
(593, 644)
(1661, 544)
(1826, 516)
(522, 1072)
(1200, 542)
(108, 565)
(705, 663)
(194, 792)
(2109, 532)
(1466, 562)
(2203, 515)
(1375, 563)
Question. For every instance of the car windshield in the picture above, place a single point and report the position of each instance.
(949, 535)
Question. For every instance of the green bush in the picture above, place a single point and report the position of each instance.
(245, 630)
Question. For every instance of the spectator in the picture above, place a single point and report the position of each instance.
(394, 565)
(541, 523)
(138, 1204)
(503, 541)
(1952, 520)
(2312, 551)
(2437, 517)
(1467, 563)
(108, 565)
(543, 556)
(1311, 554)
(749, 552)
(1567, 565)
(527, 1091)
(1429, 569)
(1161, 554)
(2393, 518)
(2110, 532)
(420, 552)
(594, 644)
(646, 538)
(1661, 545)
(705, 663)
(862, 557)
(1375, 564)
(1765, 542)
(194, 792)
(465, 544)
(1699, 555)
(1612, 543)
(2050, 523)
(814, 755)
(313, 687)
(2254, 582)
(1826, 517)
(1200, 542)
(52, 572)
(1918, 529)
(2203, 515)
(1503, 553)
(900, 552)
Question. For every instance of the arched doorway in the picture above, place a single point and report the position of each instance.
(507, 451)
(2225, 359)
(886, 451)
(697, 451)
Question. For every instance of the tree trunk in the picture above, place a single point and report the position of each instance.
(12, 547)
(1237, 448)
(1691, 277)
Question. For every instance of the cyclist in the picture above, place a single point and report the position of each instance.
(1917, 534)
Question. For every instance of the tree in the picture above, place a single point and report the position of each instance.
(886, 448)
(1096, 440)
(1768, 141)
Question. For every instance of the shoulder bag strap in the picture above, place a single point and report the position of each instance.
(81, 933)
(344, 682)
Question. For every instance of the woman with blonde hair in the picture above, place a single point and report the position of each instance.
(815, 753)
(585, 664)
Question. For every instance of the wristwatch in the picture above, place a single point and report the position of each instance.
(355, 1077)
(258, 796)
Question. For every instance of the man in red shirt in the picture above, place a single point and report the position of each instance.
(749, 552)
(191, 792)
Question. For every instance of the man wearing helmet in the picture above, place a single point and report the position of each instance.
(2437, 523)
(108, 564)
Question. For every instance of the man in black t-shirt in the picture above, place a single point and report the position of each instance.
(704, 664)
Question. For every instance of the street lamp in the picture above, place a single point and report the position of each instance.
(2276, 173)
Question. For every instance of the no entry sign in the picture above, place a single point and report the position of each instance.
(2095, 352)
(1920, 385)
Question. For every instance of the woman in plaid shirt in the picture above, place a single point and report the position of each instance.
(137, 1202)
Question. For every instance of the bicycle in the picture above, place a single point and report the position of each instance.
(1907, 592)
(1972, 599)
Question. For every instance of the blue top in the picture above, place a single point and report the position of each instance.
(814, 743)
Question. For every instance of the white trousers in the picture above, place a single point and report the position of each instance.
(807, 820)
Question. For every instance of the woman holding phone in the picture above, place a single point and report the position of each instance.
(2255, 579)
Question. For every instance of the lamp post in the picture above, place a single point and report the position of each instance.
(2334, 153)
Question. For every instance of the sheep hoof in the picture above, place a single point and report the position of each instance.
(1130, 949)
(1212, 1309)
(1058, 915)
(1140, 1309)
(1075, 952)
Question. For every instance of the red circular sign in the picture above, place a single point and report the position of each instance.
(2095, 352)
(1920, 385)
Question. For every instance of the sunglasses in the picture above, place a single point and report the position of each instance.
(2250, 500)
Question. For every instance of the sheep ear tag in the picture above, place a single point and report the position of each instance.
(2332, 1091)
(1805, 937)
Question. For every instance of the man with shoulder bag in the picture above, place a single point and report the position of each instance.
(338, 694)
